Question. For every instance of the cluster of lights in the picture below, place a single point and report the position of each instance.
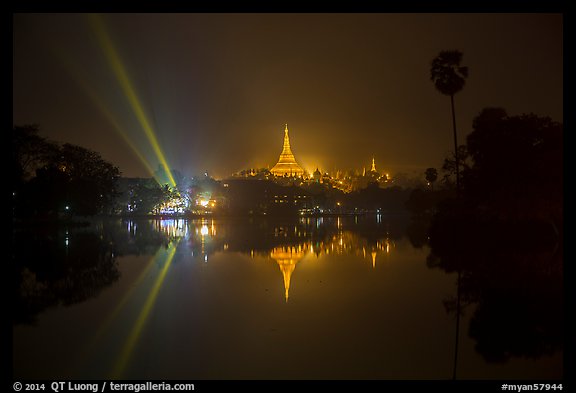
(344, 242)
(172, 228)
(205, 203)
(173, 206)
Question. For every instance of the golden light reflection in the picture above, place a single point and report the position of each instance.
(287, 258)
(344, 242)
(143, 316)
(347, 242)
(129, 91)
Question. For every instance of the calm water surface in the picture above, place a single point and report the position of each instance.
(313, 298)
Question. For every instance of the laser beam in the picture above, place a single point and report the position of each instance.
(129, 91)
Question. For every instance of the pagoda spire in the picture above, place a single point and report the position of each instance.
(286, 151)
(287, 164)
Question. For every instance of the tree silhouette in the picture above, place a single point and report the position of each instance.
(431, 176)
(449, 78)
(30, 152)
(67, 179)
(517, 171)
(449, 165)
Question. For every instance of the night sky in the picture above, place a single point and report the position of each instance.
(218, 88)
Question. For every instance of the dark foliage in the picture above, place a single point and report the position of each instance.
(503, 236)
(55, 181)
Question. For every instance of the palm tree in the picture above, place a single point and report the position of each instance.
(449, 78)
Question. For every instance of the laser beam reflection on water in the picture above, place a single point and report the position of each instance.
(137, 284)
(143, 316)
(104, 328)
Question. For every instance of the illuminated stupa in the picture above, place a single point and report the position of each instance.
(287, 164)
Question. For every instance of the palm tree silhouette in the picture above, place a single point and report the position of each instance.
(449, 78)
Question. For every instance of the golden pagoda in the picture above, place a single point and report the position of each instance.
(287, 164)
(287, 258)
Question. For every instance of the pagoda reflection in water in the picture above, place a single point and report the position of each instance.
(287, 257)
(286, 244)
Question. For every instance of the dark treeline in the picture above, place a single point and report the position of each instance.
(502, 234)
(511, 173)
(497, 224)
(266, 197)
(50, 180)
(511, 170)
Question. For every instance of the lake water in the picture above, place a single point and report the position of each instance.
(308, 298)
